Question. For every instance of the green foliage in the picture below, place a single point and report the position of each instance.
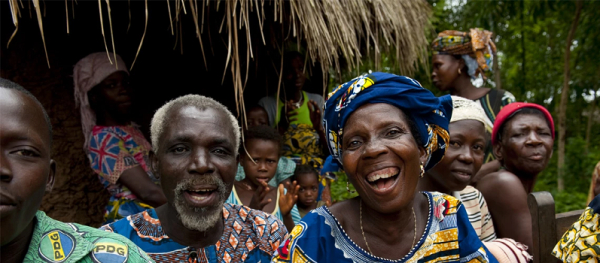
(578, 171)
(530, 36)
(338, 188)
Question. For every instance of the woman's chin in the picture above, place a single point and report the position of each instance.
(386, 197)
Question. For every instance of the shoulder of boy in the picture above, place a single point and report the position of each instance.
(112, 247)
(56, 241)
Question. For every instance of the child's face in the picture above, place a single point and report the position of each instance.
(266, 155)
(309, 189)
(257, 116)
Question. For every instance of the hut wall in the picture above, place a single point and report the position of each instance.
(77, 196)
(160, 73)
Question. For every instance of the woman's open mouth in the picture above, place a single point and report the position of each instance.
(383, 180)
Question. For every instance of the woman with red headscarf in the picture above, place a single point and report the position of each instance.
(522, 138)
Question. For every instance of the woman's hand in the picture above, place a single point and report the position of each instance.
(315, 116)
(259, 200)
(287, 201)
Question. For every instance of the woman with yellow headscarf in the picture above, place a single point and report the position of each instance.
(458, 58)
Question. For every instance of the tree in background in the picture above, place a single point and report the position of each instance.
(532, 38)
(562, 110)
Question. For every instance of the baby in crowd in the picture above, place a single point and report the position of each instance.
(308, 180)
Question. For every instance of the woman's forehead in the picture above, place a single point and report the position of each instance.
(527, 119)
(375, 113)
(443, 57)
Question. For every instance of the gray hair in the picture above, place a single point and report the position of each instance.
(159, 121)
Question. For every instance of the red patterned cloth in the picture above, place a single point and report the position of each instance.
(111, 151)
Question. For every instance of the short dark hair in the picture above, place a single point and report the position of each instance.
(263, 132)
(522, 111)
(258, 107)
(7, 84)
(304, 169)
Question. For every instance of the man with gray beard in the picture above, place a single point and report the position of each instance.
(195, 142)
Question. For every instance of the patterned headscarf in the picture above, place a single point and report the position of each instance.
(88, 73)
(429, 113)
(476, 47)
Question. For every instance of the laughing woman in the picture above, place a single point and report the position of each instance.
(385, 131)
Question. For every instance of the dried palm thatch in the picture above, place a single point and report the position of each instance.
(332, 31)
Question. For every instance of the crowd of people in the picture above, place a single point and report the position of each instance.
(439, 179)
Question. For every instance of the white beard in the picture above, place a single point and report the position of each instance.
(200, 219)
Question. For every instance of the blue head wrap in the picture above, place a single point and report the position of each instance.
(430, 114)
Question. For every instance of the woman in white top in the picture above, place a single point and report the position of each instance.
(452, 175)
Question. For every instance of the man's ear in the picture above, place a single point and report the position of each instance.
(51, 176)
(153, 162)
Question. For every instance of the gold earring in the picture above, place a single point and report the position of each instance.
(459, 72)
(422, 173)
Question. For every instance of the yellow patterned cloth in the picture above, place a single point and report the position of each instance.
(580, 242)
(448, 237)
(301, 144)
(477, 44)
(595, 175)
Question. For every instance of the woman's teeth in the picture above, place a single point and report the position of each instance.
(382, 174)
(379, 176)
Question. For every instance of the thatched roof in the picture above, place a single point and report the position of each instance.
(334, 33)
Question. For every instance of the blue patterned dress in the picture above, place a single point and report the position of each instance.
(448, 237)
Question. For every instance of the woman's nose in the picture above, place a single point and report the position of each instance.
(374, 148)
